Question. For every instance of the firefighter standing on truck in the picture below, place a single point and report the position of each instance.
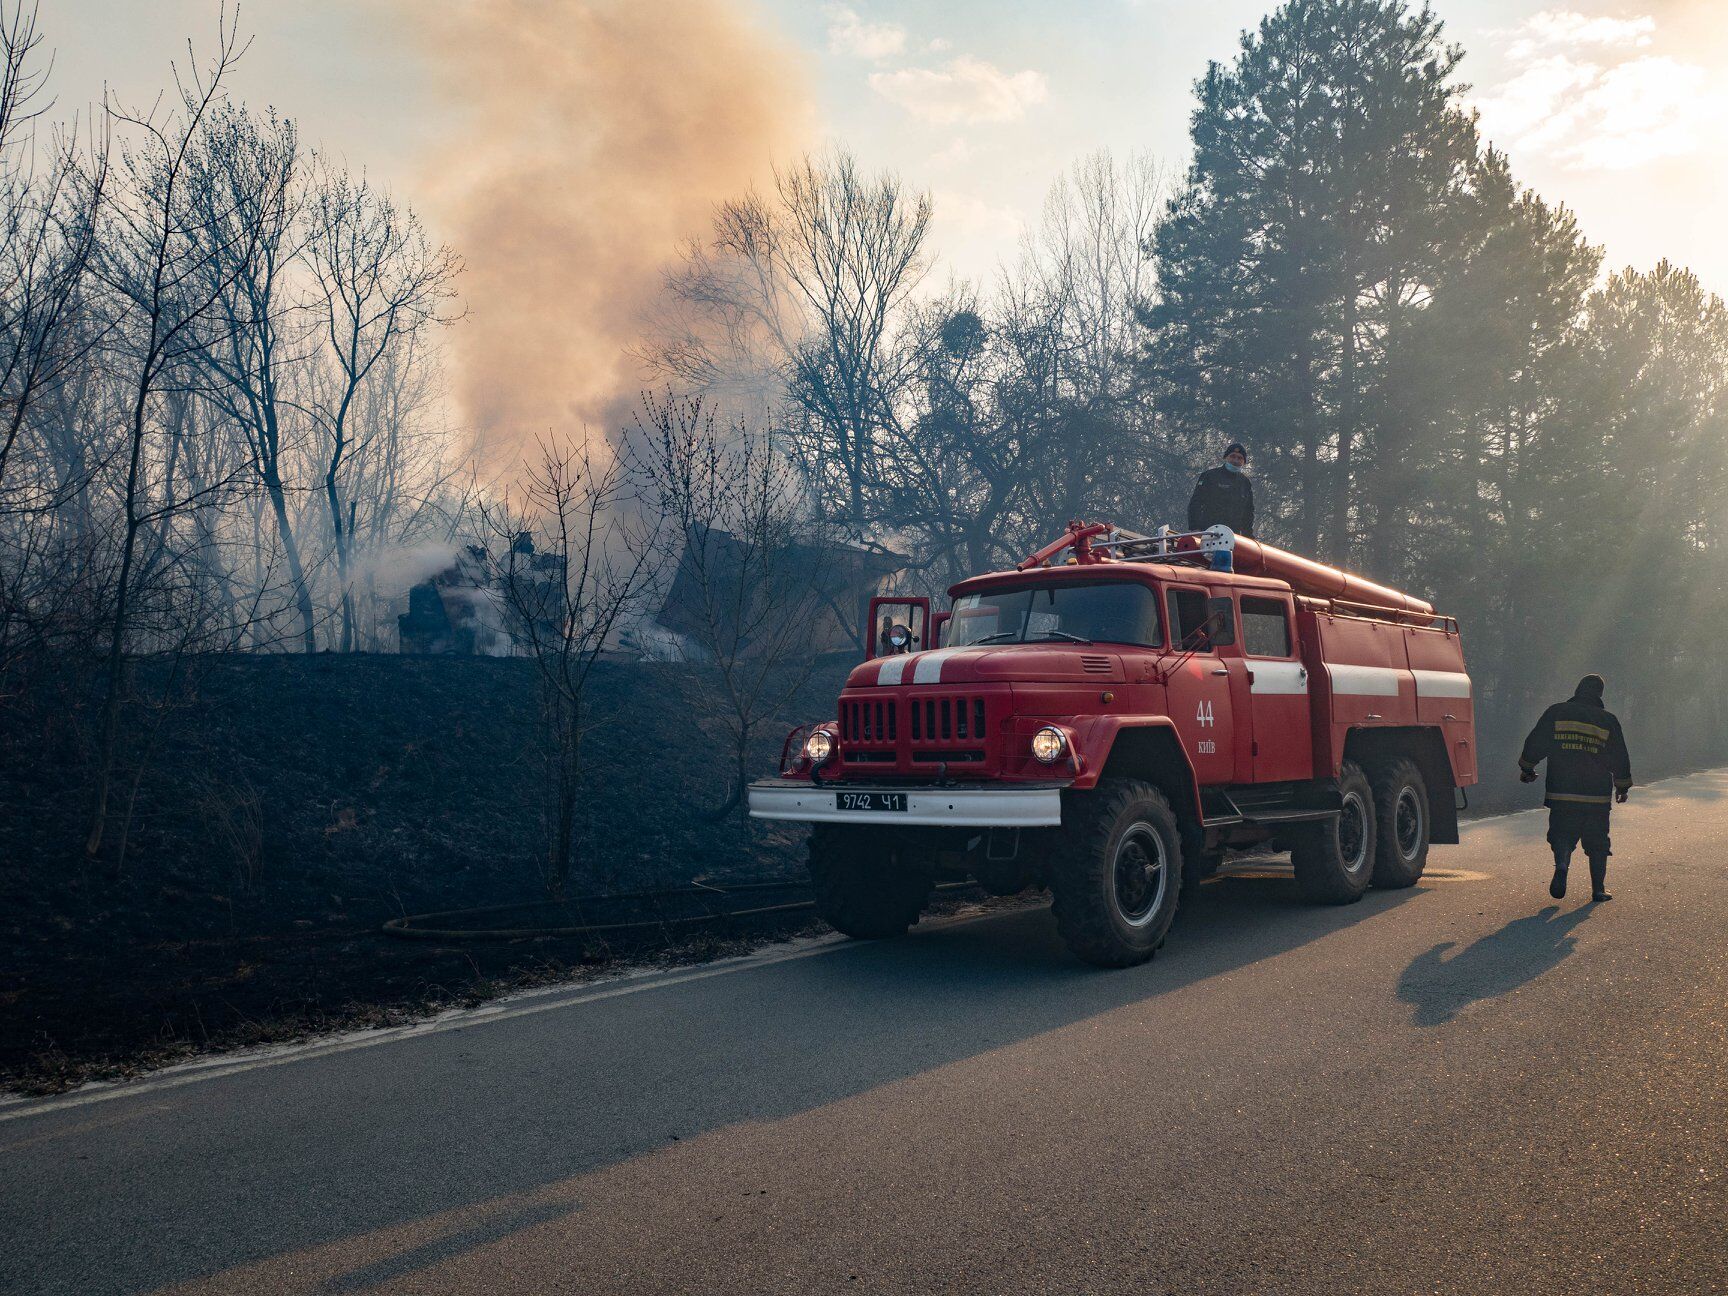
(1224, 495)
(1587, 761)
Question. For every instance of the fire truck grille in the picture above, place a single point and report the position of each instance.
(949, 719)
(875, 721)
(916, 727)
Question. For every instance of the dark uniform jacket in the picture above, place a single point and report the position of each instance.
(1585, 751)
(1222, 496)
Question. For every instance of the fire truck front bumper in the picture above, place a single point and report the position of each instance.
(1020, 805)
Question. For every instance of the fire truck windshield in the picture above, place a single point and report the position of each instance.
(1107, 612)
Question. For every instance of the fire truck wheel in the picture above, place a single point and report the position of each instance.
(1334, 859)
(1401, 810)
(1119, 879)
(865, 888)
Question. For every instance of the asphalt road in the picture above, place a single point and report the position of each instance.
(1461, 1088)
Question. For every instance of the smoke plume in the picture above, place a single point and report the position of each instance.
(600, 133)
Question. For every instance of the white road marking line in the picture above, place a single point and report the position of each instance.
(505, 1009)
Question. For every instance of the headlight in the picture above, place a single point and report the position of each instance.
(1048, 744)
(819, 746)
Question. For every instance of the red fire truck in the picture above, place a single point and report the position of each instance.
(1110, 717)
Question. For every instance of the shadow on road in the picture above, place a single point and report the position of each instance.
(448, 1122)
(1522, 950)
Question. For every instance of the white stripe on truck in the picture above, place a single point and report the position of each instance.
(1364, 681)
(1441, 684)
(926, 667)
(1279, 679)
(893, 668)
(929, 668)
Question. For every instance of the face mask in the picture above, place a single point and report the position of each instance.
(1235, 468)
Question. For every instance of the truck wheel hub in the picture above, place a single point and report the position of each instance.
(1352, 834)
(1139, 876)
(1408, 821)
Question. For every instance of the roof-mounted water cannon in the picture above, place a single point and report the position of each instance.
(1078, 537)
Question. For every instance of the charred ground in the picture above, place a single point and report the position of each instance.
(289, 806)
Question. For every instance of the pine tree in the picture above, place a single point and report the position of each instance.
(1322, 206)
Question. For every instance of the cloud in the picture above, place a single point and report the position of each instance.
(964, 89)
(1582, 96)
(1554, 27)
(850, 34)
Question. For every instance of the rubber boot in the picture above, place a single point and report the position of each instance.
(1557, 887)
(1599, 879)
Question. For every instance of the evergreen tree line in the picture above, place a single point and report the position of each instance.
(1440, 386)
(1442, 389)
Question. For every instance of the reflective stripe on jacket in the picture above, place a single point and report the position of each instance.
(1585, 750)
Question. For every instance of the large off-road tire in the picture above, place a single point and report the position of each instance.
(1401, 814)
(1334, 859)
(867, 886)
(1118, 878)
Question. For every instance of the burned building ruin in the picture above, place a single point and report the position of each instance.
(482, 606)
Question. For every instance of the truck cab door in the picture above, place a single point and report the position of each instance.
(1226, 636)
(1282, 739)
(1199, 687)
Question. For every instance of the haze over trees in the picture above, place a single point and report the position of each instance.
(222, 419)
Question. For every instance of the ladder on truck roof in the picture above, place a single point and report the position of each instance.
(1315, 585)
(1163, 545)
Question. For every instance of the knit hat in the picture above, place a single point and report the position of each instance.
(1590, 689)
(1235, 447)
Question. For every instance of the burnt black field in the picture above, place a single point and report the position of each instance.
(288, 806)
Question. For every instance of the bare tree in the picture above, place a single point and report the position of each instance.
(748, 581)
(47, 227)
(160, 254)
(563, 603)
(47, 233)
(406, 485)
(242, 177)
(381, 281)
(1022, 410)
(815, 280)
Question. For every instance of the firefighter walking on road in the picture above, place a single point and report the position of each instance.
(1588, 769)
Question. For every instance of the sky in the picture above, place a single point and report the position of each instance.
(1618, 111)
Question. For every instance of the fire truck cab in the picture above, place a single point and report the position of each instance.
(1110, 717)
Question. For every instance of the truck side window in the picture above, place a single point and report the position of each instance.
(1223, 624)
(1189, 630)
(1265, 628)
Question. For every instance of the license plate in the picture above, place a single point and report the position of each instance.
(864, 801)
